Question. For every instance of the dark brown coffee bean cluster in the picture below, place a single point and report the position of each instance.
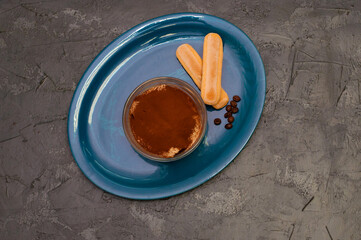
(230, 110)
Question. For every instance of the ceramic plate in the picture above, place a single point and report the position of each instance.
(95, 131)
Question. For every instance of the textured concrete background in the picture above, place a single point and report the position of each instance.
(306, 149)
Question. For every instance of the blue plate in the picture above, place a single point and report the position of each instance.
(146, 51)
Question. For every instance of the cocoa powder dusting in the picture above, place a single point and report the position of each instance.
(165, 121)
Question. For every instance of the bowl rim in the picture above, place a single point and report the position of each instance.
(185, 87)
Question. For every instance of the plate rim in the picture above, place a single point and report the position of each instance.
(215, 171)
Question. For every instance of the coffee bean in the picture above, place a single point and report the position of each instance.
(228, 108)
(228, 126)
(231, 119)
(217, 121)
(227, 114)
(233, 104)
(235, 110)
(236, 98)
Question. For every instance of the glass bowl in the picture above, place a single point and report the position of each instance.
(181, 85)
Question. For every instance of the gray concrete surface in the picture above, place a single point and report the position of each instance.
(298, 178)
